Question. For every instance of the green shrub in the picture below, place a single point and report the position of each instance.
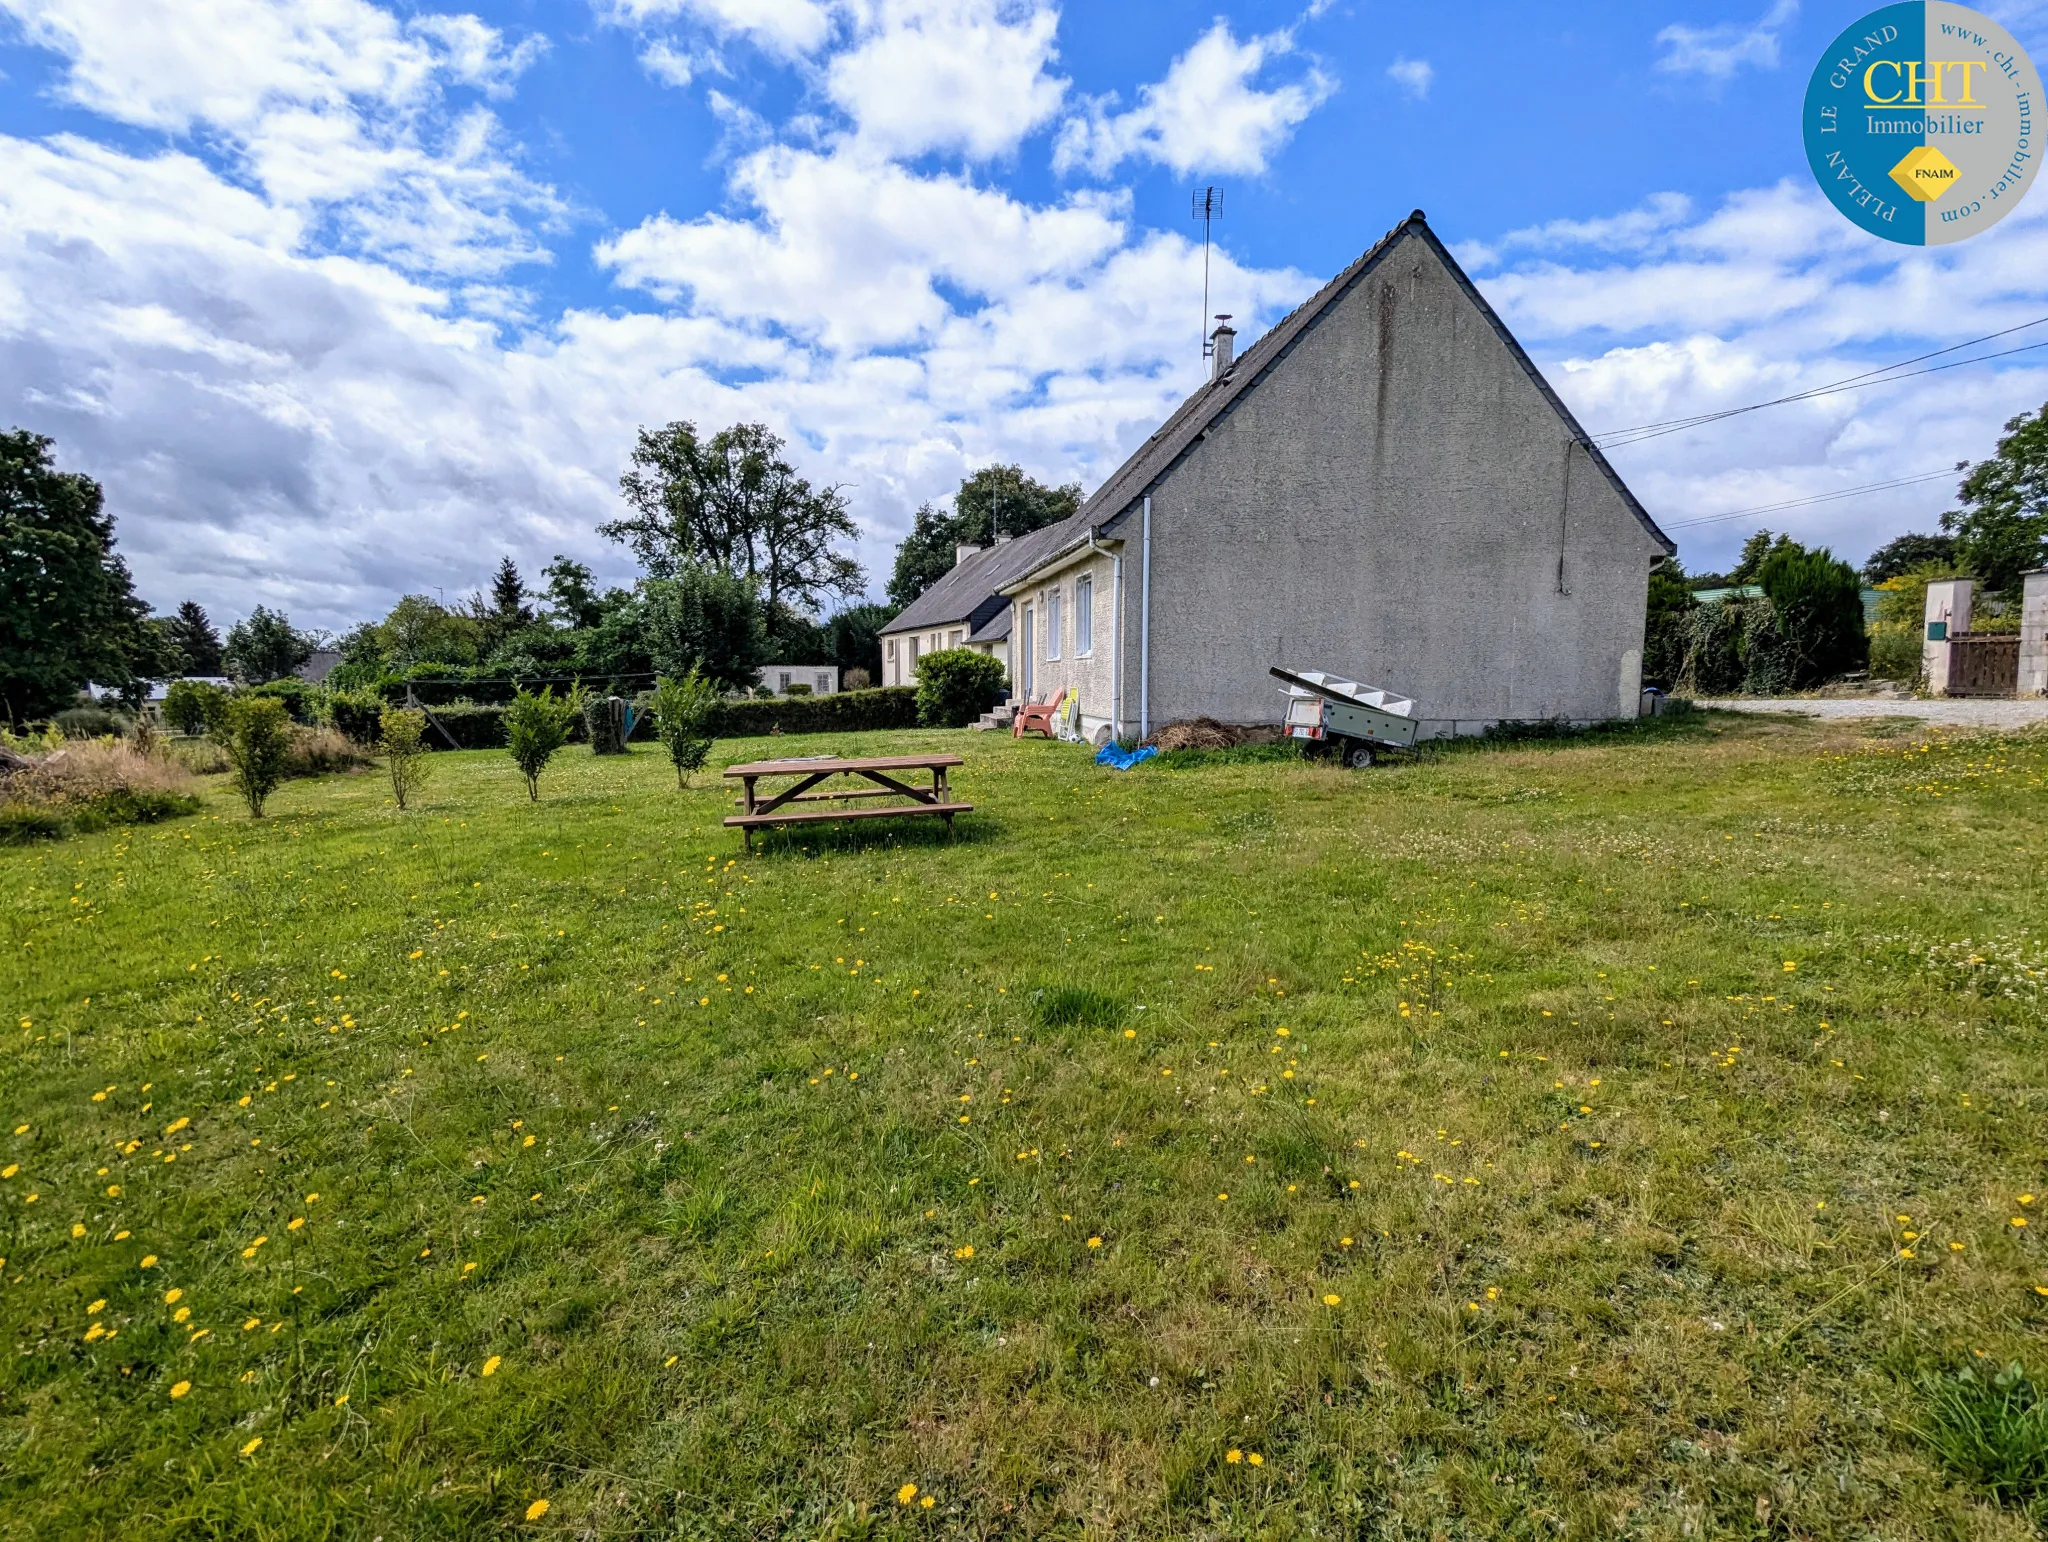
(846, 712)
(306, 703)
(358, 716)
(604, 724)
(956, 685)
(536, 727)
(1992, 1432)
(798, 690)
(90, 723)
(400, 730)
(1817, 601)
(193, 706)
(681, 709)
(471, 726)
(1895, 652)
(1075, 1006)
(255, 735)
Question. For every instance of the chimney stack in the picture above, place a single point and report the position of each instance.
(1222, 347)
(962, 553)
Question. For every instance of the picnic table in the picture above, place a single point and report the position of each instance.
(887, 775)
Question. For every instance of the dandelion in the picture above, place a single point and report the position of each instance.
(491, 1365)
(927, 1502)
(181, 1388)
(906, 1493)
(537, 1509)
(250, 1448)
(1333, 1300)
(341, 1400)
(964, 1252)
(97, 1307)
(295, 1223)
(1252, 1458)
(252, 1323)
(77, 1231)
(1233, 1456)
(1095, 1242)
(2019, 1220)
(149, 1260)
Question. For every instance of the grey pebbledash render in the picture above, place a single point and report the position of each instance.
(1383, 486)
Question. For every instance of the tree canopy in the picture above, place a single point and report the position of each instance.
(994, 501)
(68, 611)
(1906, 554)
(732, 503)
(266, 647)
(2001, 530)
(190, 632)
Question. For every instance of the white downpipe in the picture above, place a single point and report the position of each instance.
(1116, 621)
(1145, 631)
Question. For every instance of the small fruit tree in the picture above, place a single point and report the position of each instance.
(255, 734)
(682, 708)
(401, 734)
(535, 727)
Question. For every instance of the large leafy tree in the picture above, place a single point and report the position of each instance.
(1906, 554)
(708, 620)
(198, 645)
(266, 647)
(572, 594)
(421, 631)
(2001, 531)
(996, 501)
(68, 611)
(1819, 605)
(853, 638)
(732, 503)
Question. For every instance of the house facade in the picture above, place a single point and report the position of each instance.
(1384, 487)
(964, 609)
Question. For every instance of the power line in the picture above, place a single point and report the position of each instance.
(1814, 498)
(1889, 374)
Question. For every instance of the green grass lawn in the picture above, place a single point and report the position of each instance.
(1603, 1138)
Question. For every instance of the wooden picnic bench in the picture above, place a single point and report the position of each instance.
(764, 808)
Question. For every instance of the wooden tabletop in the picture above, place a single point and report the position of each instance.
(827, 764)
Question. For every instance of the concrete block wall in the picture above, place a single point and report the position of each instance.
(2034, 635)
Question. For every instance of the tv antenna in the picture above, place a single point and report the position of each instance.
(1208, 208)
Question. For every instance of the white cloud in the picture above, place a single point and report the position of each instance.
(1414, 76)
(1660, 313)
(1206, 115)
(331, 106)
(668, 64)
(1718, 52)
(792, 28)
(965, 75)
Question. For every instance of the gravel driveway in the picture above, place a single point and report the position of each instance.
(1960, 712)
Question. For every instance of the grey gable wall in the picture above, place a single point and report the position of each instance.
(1390, 504)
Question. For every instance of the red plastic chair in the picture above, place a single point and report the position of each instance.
(1037, 715)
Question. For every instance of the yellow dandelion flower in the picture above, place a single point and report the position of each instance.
(1254, 1459)
(1233, 1456)
(252, 1323)
(250, 1448)
(927, 1502)
(181, 1388)
(537, 1509)
(1095, 1242)
(1333, 1300)
(491, 1365)
(906, 1493)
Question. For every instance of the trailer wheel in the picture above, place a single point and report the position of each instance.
(1358, 755)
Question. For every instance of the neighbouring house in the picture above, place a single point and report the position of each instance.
(1383, 486)
(965, 609)
(817, 679)
(320, 663)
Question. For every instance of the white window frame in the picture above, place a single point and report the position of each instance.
(1084, 616)
(824, 684)
(1052, 622)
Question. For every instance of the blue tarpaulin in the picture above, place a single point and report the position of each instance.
(1117, 758)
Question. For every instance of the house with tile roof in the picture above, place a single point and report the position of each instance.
(1383, 486)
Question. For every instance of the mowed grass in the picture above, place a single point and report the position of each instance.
(1594, 1139)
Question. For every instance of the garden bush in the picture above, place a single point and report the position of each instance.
(604, 724)
(1817, 602)
(193, 706)
(681, 709)
(846, 712)
(358, 716)
(956, 685)
(405, 757)
(255, 735)
(307, 703)
(535, 727)
(90, 723)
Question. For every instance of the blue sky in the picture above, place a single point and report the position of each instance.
(341, 299)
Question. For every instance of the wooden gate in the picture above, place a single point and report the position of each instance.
(1984, 664)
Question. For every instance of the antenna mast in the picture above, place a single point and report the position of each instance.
(1208, 208)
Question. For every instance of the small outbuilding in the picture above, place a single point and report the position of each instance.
(1383, 486)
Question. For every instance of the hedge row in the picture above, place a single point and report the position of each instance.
(474, 727)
